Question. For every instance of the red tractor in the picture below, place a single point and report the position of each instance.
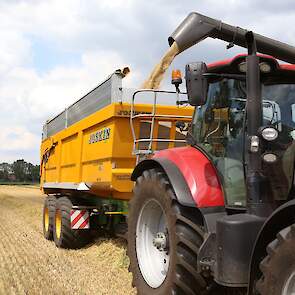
(218, 216)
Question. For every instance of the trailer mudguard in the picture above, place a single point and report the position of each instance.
(281, 218)
(192, 175)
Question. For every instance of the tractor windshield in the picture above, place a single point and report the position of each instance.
(217, 128)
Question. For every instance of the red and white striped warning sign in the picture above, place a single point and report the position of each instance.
(80, 219)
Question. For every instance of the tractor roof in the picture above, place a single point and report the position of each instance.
(231, 63)
(280, 73)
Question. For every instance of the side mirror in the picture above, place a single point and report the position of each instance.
(196, 83)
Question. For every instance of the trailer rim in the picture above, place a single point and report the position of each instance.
(153, 261)
(58, 223)
(289, 286)
(46, 219)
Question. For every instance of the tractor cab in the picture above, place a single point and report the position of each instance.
(218, 125)
(217, 216)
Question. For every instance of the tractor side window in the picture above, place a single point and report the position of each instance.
(218, 129)
(293, 112)
(293, 119)
(220, 120)
(280, 112)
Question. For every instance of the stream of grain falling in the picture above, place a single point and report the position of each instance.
(156, 76)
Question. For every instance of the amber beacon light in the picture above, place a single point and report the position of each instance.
(176, 78)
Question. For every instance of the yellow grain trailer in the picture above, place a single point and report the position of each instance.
(88, 153)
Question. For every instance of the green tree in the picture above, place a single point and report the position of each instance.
(20, 171)
(19, 168)
(5, 169)
(35, 173)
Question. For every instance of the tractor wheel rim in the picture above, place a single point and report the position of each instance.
(289, 286)
(46, 219)
(58, 223)
(153, 262)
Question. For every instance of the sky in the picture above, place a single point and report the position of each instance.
(53, 52)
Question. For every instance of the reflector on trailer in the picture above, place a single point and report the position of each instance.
(80, 219)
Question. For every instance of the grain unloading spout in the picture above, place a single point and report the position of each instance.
(197, 27)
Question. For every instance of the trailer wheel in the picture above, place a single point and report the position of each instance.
(48, 216)
(64, 236)
(163, 240)
(278, 267)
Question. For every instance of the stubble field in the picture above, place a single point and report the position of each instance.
(29, 264)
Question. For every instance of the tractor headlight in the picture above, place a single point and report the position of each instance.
(243, 67)
(269, 158)
(264, 67)
(269, 133)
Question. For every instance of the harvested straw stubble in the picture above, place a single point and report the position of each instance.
(156, 76)
(31, 265)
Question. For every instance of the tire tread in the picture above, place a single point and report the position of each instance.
(189, 236)
(269, 265)
(69, 239)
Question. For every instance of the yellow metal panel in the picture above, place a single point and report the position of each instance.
(79, 161)
(98, 149)
(172, 134)
(155, 133)
(121, 180)
(122, 140)
(69, 150)
(95, 145)
(67, 173)
(50, 175)
(97, 171)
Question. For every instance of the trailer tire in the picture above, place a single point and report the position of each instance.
(48, 217)
(278, 267)
(64, 236)
(185, 236)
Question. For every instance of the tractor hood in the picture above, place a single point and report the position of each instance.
(197, 27)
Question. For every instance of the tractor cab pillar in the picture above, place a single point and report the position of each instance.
(259, 201)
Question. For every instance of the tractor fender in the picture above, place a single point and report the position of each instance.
(281, 218)
(182, 190)
(176, 179)
(193, 176)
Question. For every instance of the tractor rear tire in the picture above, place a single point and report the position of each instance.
(184, 237)
(64, 236)
(278, 267)
(48, 217)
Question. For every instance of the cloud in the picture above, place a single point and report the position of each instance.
(90, 39)
(18, 143)
(17, 138)
(62, 85)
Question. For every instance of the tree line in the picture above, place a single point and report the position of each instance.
(19, 171)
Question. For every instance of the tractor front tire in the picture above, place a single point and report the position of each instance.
(157, 219)
(64, 236)
(278, 267)
(48, 217)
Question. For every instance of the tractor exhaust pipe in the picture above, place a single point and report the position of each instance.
(197, 27)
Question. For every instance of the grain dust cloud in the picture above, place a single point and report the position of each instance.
(156, 76)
